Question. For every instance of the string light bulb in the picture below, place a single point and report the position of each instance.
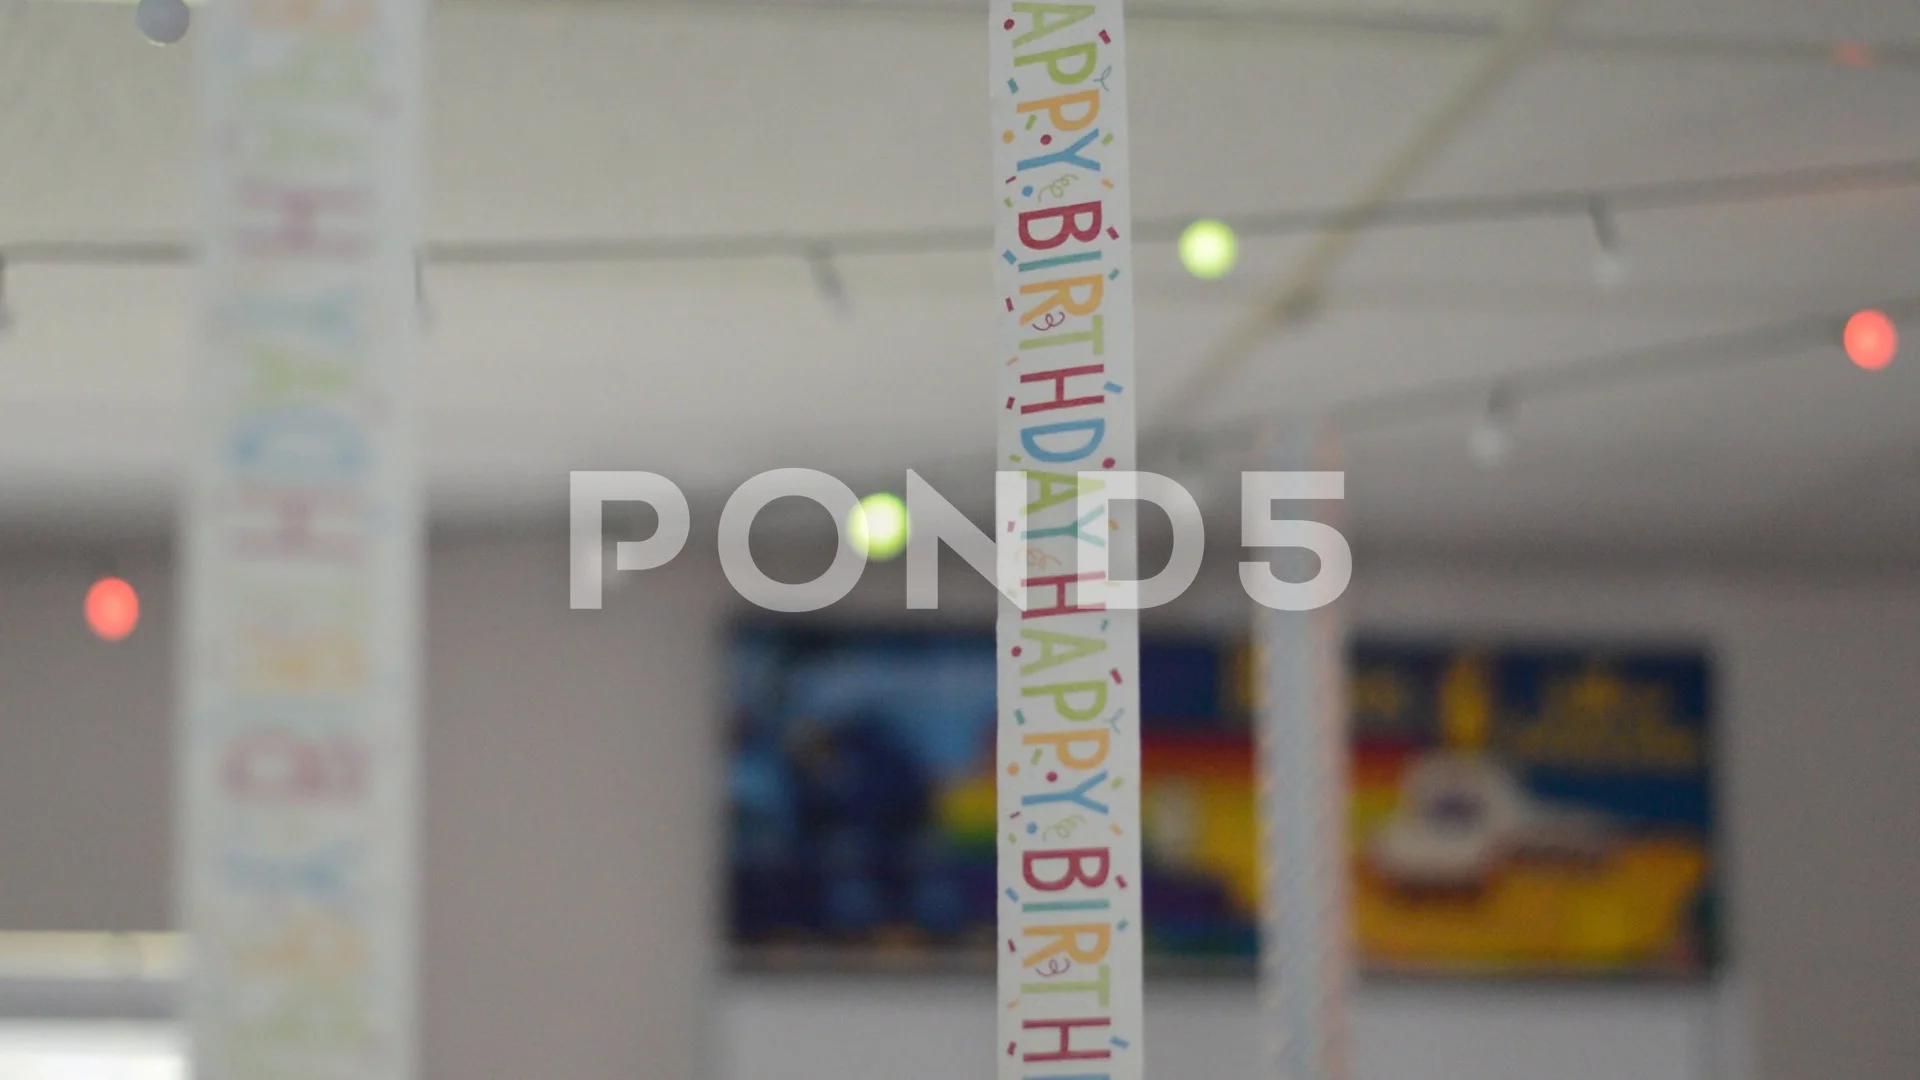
(1871, 340)
(1855, 54)
(1209, 249)
(112, 609)
(877, 527)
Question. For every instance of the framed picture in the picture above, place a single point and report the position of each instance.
(1532, 810)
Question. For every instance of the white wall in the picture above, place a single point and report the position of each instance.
(85, 767)
(571, 821)
(570, 829)
(568, 892)
(812, 1029)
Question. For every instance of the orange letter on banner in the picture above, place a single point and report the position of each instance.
(1063, 743)
(1056, 106)
(1061, 295)
(1066, 939)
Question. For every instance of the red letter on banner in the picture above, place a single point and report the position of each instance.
(1075, 859)
(1060, 605)
(1068, 226)
(1065, 1029)
(1059, 378)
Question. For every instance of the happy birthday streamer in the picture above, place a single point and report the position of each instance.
(1069, 750)
(302, 538)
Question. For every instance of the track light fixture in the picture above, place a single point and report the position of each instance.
(1201, 472)
(827, 279)
(1609, 258)
(1491, 440)
(422, 303)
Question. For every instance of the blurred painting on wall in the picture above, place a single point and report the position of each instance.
(1532, 811)
(1513, 812)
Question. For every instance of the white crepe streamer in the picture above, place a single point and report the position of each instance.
(300, 655)
(1305, 949)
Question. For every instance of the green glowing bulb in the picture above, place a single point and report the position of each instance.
(877, 528)
(1208, 249)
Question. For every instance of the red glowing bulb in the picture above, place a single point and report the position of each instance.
(1853, 54)
(113, 609)
(1871, 340)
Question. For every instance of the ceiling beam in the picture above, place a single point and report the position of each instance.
(1420, 403)
(1301, 290)
(1401, 28)
(1569, 203)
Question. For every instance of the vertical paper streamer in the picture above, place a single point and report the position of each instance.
(300, 651)
(1069, 749)
(1305, 954)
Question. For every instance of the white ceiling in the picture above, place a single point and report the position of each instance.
(557, 121)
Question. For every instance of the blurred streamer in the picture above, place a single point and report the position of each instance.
(1305, 943)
